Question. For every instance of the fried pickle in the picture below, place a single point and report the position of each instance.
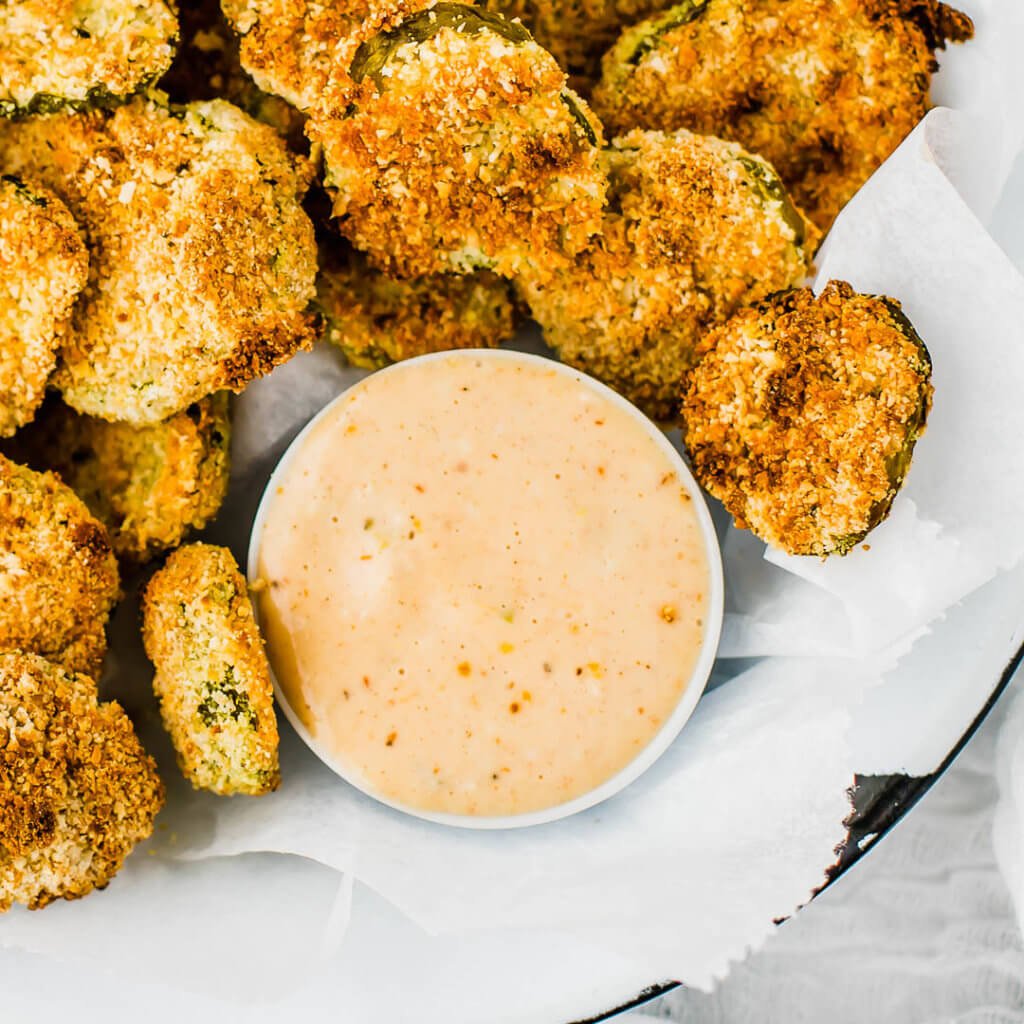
(696, 228)
(57, 54)
(459, 148)
(802, 415)
(202, 260)
(43, 267)
(150, 486)
(58, 574)
(824, 90)
(376, 320)
(77, 791)
(212, 676)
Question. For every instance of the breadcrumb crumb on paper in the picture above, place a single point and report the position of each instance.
(212, 676)
(200, 276)
(77, 791)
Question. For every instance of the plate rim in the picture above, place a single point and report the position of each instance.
(886, 807)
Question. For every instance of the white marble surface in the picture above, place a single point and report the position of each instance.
(923, 930)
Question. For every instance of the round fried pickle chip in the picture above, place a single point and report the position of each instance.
(212, 676)
(802, 415)
(825, 90)
(202, 260)
(376, 319)
(58, 574)
(696, 228)
(43, 267)
(77, 791)
(57, 54)
(150, 486)
(459, 148)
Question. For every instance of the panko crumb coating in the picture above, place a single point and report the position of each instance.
(825, 90)
(58, 574)
(460, 148)
(577, 33)
(293, 47)
(695, 228)
(43, 267)
(150, 486)
(77, 791)
(212, 676)
(207, 67)
(376, 320)
(802, 416)
(79, 53)
(202, 260)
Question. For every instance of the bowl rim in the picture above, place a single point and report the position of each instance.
(714, 615)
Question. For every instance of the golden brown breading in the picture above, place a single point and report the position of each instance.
(459, 149)
(43, 267)
(578, 32)
(202, 261)
(75, 53)
(823, 89)
(148, 485)
(375, 319)
(207, 67)
(77, 791)
(696, 228)
(802, 415)
(58, 575)
(212, 675)
(292, 47)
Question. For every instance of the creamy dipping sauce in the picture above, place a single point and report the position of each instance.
(485, 585)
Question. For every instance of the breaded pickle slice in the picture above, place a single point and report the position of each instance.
(293, 47)
(802, 416)
(825, 90)
(149, 486)
(202, 260)
(58, 575)
(207, 67)
(696, 227)
(77, 791)
(212, 675)
(376, 320)
(80, 53)
(578, 32)
(43, 267)
(460, 148)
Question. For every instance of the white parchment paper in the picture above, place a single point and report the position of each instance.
(736, 825)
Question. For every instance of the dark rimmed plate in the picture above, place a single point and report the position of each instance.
(879, 803)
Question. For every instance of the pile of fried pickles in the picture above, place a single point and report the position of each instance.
(190, 197)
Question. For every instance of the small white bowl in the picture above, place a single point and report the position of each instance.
(661, 741)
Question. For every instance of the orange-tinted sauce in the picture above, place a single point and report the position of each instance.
(486, 586)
